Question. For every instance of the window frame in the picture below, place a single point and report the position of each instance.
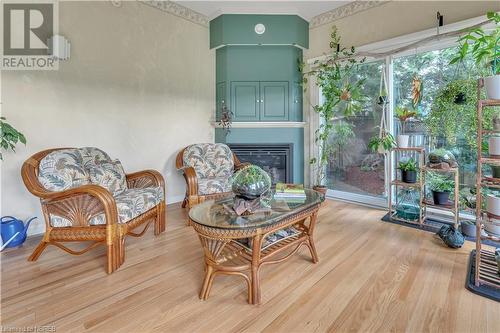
(384, 46)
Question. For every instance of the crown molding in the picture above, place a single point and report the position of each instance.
(344, 11)
(178, 10)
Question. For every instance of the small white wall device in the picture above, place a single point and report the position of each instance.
(59, 47)
(260, 28)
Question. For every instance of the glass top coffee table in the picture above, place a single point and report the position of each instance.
(241, 245)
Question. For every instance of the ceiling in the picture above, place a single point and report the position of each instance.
(305, 9)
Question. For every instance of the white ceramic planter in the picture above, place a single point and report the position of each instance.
(492, 228)
(402, 140)
(494, 145)
(492, 86)
(493, 204)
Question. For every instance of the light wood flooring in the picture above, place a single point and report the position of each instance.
(372, 276)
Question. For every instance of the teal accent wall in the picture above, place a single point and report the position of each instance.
(231, 29)
(270, 135)
(260, 65)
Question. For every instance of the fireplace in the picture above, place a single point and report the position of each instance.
(276, 159)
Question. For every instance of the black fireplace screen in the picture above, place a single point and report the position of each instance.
(276, 159)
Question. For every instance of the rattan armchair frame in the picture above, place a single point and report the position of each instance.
(80, 204)
(192, 196)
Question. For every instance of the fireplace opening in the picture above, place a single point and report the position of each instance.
(275, 159)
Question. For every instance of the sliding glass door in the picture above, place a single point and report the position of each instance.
(354, 169)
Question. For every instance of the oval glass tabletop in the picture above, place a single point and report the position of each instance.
(220, 213)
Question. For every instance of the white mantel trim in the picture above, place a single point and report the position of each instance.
(264, 124)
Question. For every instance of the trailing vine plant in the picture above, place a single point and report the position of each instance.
(341, 97)
(449, 117)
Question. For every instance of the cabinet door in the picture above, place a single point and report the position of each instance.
(220, 97)
(296, 112)
(274, 100)
(245, 100)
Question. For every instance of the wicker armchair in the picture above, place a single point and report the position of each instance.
(206, 168)
(77, 209)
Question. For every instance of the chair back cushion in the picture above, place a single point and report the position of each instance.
(93, 156)
(209, 160)
(62, 169)
(109, 175)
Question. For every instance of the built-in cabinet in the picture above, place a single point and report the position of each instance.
(259, 83)
(260, 101)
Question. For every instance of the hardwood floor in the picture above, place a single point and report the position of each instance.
(372, 276)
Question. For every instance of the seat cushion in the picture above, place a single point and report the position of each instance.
(109, 175)
(130, 204)
(62, 169)
(209, 160)
(213, 185)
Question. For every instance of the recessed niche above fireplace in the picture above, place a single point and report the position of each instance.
(276, 159)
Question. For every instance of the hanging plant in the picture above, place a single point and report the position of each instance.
(416, 91)
(341, 96)
(226, 119)
(382, 143)
(449, 119)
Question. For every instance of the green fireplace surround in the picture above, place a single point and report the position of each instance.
(257, 78)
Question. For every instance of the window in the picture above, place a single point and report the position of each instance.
(353, 168)
(446, 116)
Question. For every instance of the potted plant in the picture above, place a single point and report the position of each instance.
(408, 171)
(9, 137)
(441, 187)
(403, 114)
(485, 49)
(494, 146)
(342, 96)
(382, 144)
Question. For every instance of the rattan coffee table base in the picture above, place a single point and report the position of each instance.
(224, 255)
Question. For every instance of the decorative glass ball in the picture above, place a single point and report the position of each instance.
(250, 182)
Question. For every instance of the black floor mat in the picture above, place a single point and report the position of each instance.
(482, 290)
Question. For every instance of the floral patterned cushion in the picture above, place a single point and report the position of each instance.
(62, 170)
(92, 157)
(109, 175)
(130, 204)
(213, 185)
(209, 160)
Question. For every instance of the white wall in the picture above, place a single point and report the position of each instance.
(394, 19)
(139, 85)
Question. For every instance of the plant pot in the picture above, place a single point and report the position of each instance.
(321, 189)
(492, 85)
(493, 205)
(496, 122)
(460, 98)
(382, 100)
(494, 146)
(440, 198)
(495, 171)
(492, 228)
(468, 229)
(409, 176)
(402, 140)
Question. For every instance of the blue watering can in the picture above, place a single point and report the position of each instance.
(13, 231)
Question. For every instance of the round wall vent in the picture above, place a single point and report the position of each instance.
(260, 28)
